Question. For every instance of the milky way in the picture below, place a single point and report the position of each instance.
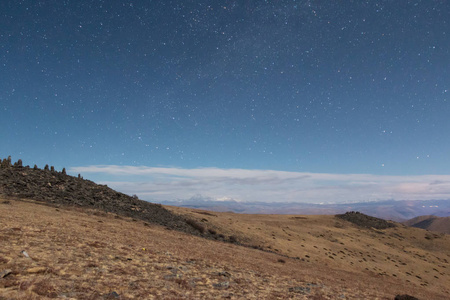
(304, 86)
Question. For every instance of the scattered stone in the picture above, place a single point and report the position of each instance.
(112, 295)
(5, 273)
(300, 289)
(172, 276)
(431, 236)
(25, 253)
(221, 285)
(36, 270)
(224, 273)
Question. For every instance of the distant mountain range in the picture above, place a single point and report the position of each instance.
(390, 210)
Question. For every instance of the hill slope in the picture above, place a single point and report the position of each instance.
(58, 188)
(432, 223)
(78, 240)
(78, 253)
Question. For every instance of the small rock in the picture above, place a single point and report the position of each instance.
(405, 297)
(25, 254)
(172, 276)
(5, 273)
(36, 270)
(224, 273)
(300, 289)
(221, 285)
(112, 295)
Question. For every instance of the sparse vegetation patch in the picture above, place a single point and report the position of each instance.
(199, 227)
(365, 220)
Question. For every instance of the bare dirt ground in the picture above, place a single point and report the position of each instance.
(74, 253)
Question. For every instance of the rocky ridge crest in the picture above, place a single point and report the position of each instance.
(58, 188)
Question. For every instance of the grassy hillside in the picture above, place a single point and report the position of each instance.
(69, 238)
(79, 253)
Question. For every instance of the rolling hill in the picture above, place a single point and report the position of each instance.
(52, 248)
(432, 223)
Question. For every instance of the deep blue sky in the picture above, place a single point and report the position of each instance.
(303, 86)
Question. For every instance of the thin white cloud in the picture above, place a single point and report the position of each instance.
(160, 184)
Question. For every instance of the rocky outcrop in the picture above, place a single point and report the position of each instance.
(365, 220)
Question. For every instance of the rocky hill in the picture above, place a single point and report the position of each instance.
(57, 188)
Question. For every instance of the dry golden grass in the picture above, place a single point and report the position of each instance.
(83, 254)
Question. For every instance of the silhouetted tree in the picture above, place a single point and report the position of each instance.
(46, 168)
(52, 168)
(63, 171)
(35, 167)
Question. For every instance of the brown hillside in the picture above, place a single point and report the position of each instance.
(418, 219)
(58, 188)
(432, 223)
(78, 253)
(77, 240)
(400, 254)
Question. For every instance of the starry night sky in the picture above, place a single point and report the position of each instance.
(301, 86)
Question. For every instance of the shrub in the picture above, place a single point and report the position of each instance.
(63, 171)
(232, 239)
(46, 168)
(200, 228)
(45, 288)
